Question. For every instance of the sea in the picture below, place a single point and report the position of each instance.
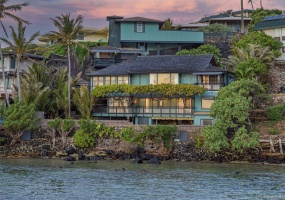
(40, 179)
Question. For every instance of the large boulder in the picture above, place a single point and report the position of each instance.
(70, 150)
(81, 156)
(138, 160)
(70, 158)
(154, 160)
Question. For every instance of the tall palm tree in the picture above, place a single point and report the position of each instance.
(83, 101)
(68, 31)
(19, 45)
(5, 13)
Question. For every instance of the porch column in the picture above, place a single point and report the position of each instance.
(157, 49)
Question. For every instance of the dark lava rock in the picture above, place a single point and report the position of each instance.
(70, 158)
(45, 153)
(70, 150)
(81, 156)
(154, 160)
(147, 157)
(138, 160)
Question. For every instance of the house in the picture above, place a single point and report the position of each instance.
(86, 35)
(199, 70)
(139, 36)
(274, 26)
(10, 65)
(229, 18)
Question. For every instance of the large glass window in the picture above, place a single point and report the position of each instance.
(207, 103)
(205, 122)
(123, 80)
(110, 80)
(97, 80)
(139, 27)
(163, 78)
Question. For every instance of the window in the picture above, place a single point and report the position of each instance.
(110, 80)
(81, 36)
(283, 38)
(283, 49)
(205, 122)
(97, 81)
(163, 78)
(12, 63)
(206, 103)
(142, 46)
(277, 38)
(139, 27)
(123, 80)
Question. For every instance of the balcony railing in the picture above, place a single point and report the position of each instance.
(101, 62)
(144, 111)
(211, 86)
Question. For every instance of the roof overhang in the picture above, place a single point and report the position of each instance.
(208, 73)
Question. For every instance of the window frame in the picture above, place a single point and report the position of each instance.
(204, 99)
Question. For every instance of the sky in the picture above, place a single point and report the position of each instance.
(94, 12)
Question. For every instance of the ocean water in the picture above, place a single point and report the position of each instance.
(57, 179)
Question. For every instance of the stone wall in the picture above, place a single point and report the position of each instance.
(276, 77)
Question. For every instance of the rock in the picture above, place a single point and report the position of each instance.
(44, 153)
(81, 156)
(154, 160)
(70, 158)
(60, 154)
(93, 158)
(75, 155)
(147, 157)
(138, 160)
(70, 150)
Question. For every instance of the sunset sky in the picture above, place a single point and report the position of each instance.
(39, 12)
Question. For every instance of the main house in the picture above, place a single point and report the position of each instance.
(274, 26)
(135, 36)
(199, 70)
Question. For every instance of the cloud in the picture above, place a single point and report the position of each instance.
(39, 12)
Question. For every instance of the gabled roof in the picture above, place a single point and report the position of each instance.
(278, 23)
(139, 19)
(27, 55)
(162, 64)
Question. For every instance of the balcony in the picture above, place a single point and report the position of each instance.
(140, 111)
(105, 62)
(211, 86)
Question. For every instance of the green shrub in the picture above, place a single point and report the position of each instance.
(273, 131)
(276, 112)
(83, 140)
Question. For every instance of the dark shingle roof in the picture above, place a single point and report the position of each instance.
(270, 24)
(140, 19)
(161, 64)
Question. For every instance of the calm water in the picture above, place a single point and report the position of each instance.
(56, 179)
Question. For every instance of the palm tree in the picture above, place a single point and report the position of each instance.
(83, 101)
(68, 30)
(5, 13)
(19, 45)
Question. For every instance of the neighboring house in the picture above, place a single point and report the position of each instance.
(86, 35)
(132, 37)
(10, 65)
(191, 26)
(144, 70)
(229, 18)
(274, 26)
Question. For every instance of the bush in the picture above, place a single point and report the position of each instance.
(276, 112)
(83, 140)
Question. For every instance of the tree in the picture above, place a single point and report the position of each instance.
(259, 14)
(18, 118)
(231, 111)
(168, 25)
(68, 30)
(63, 126)
(19, 45)
(204, 49)
(5, 13)
(215, 28)
(251, 61)
(261, 39)
(83, 101)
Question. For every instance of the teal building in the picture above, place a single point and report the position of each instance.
(199, 70)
